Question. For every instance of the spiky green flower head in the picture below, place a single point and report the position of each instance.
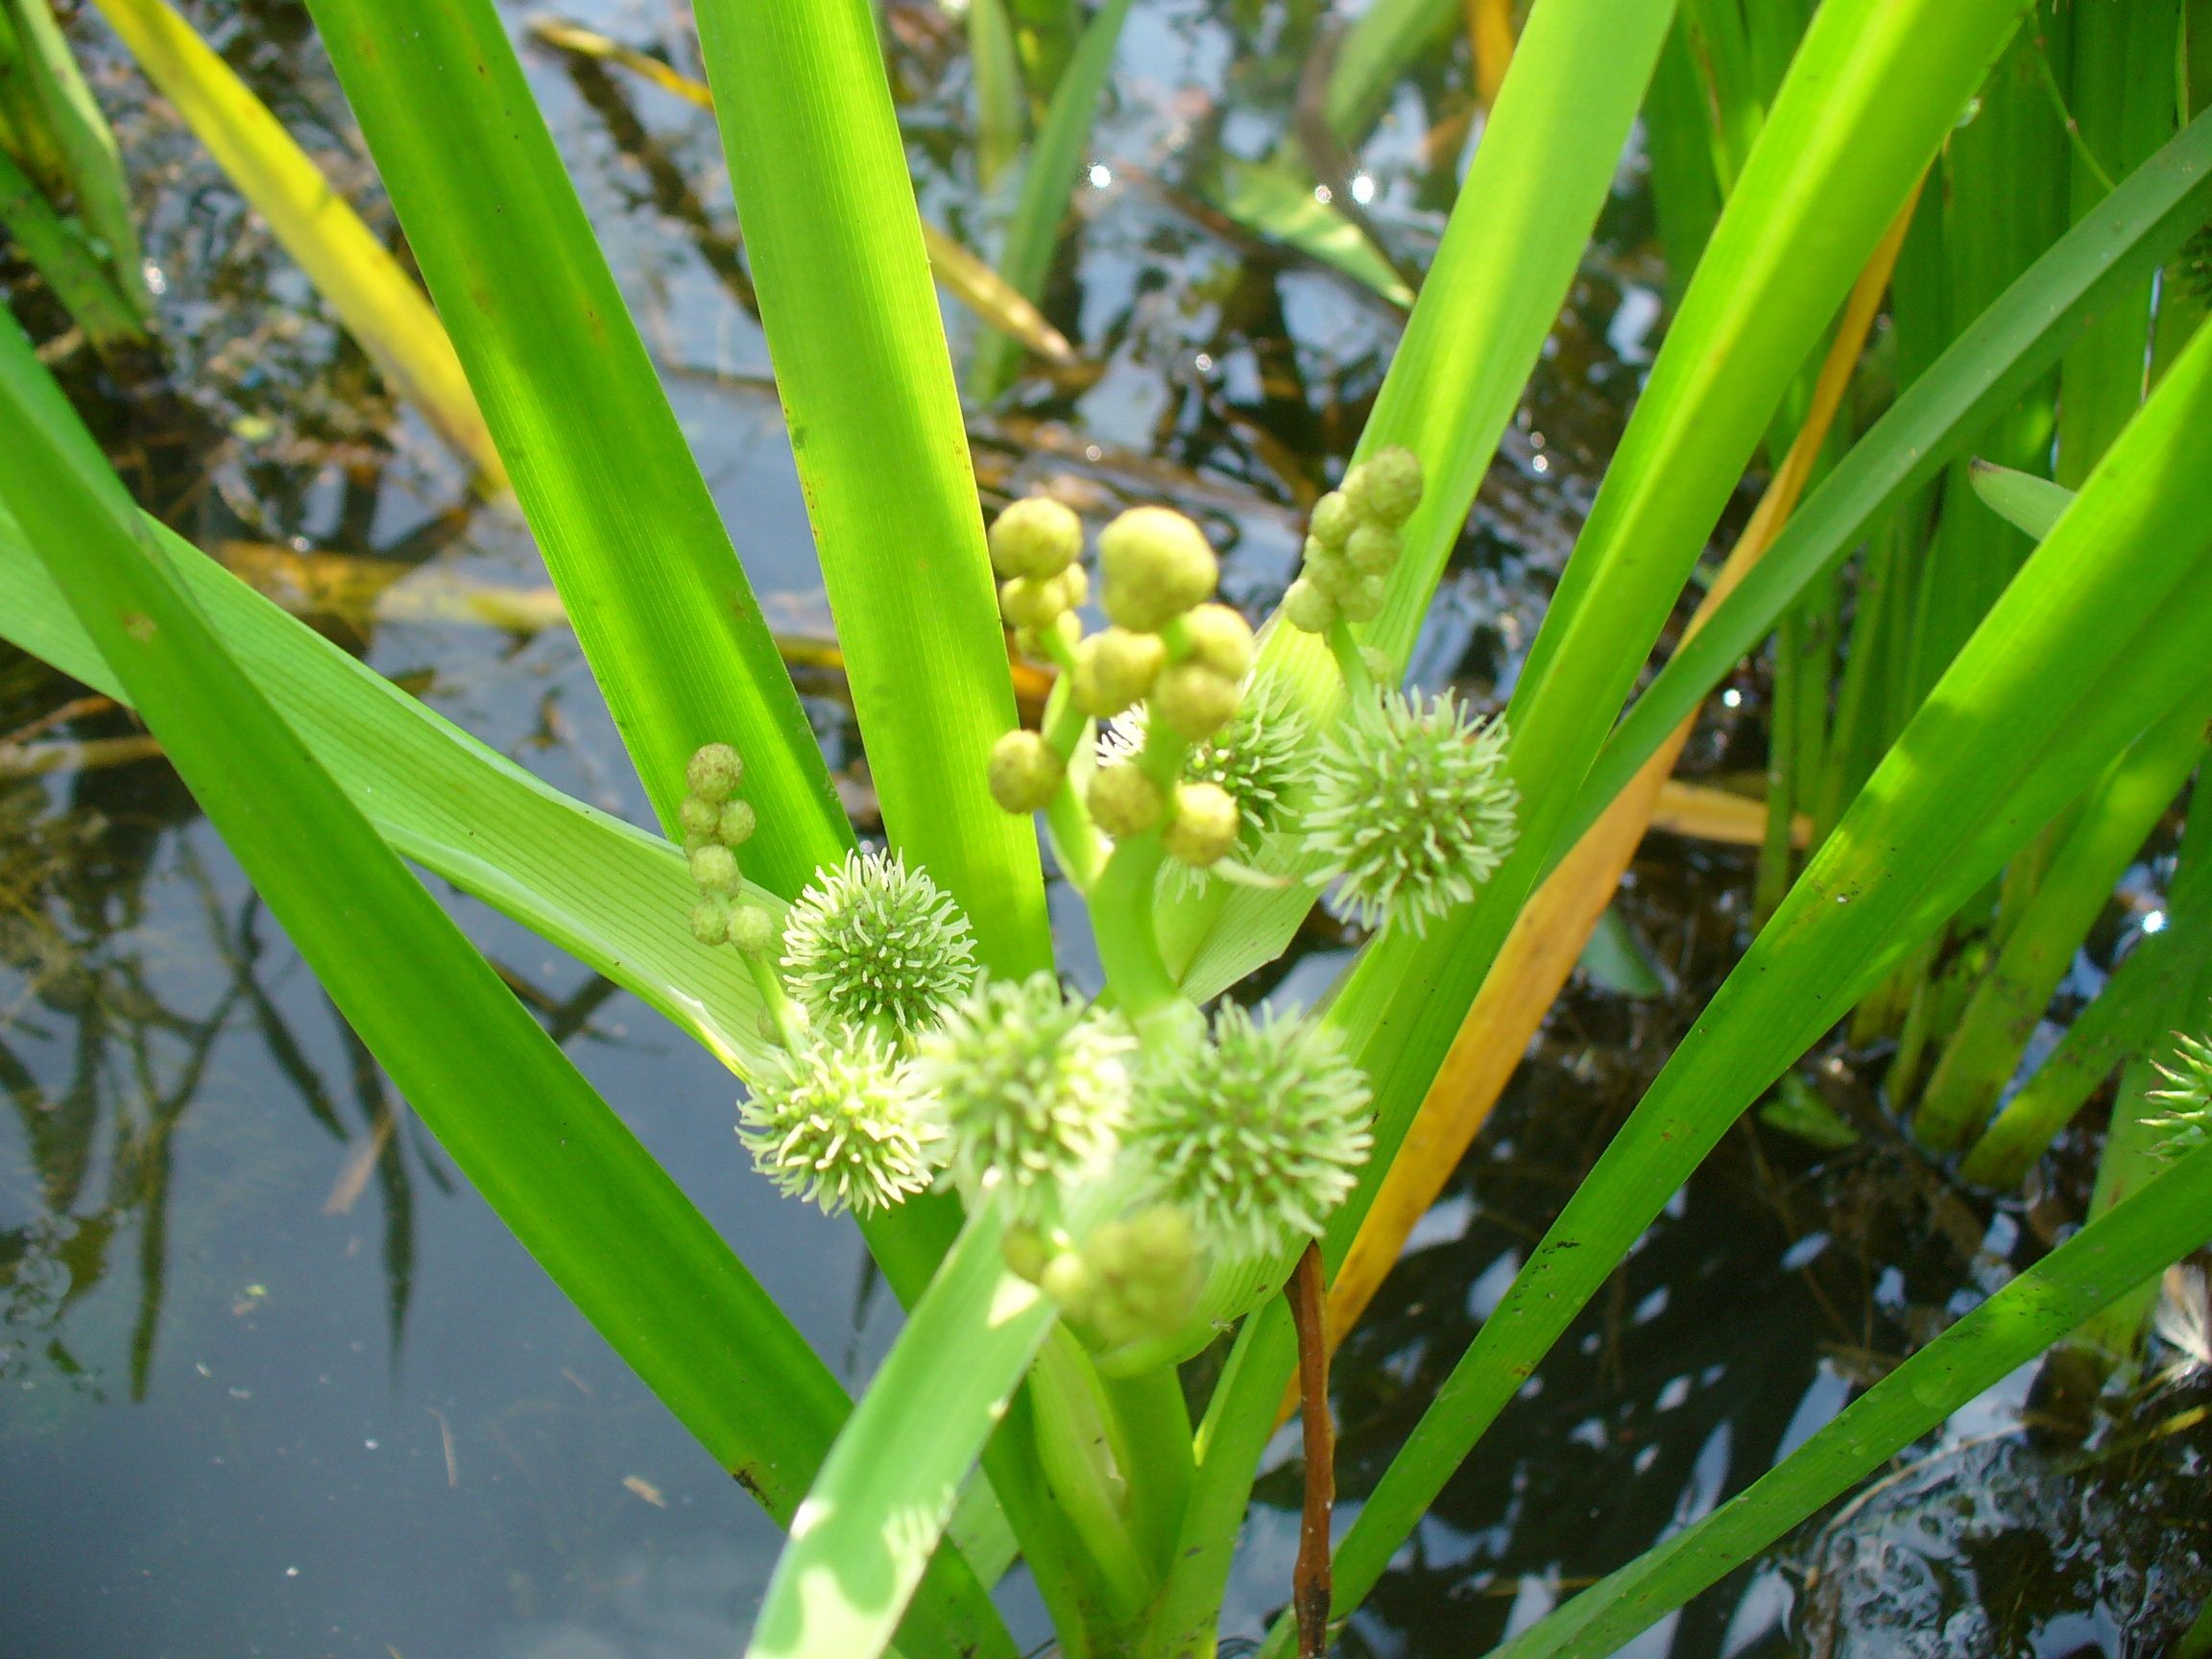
(839, 1123)
(877, 944)
(2188, 1124)
(1256, 1134)
(1411, 811)
(1030, 1087)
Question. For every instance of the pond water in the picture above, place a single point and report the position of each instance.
(274, 1381)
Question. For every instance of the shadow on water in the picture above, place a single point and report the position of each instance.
(271, 1381)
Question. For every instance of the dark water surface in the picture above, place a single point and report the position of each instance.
(274, 1381)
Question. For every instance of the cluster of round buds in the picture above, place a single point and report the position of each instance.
(2187, 1123)
(1353, 543)
(1255, 1135)
(1129, 1280)
(1028, 1087)
(1036, 550)
(714, 824)
(1412, 809)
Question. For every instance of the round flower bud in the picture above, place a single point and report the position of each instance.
(715, 772)
(1372, 549)
(698, 816)
(1028, 1253)
(1156, 566)
(1332, 519)
(1143, 1275)
(1125, 802)
(1363, 600)
(1221, 639)
(1194, 700)
(1309, 607)
(1035, 537)
(1330, 572)
(1025, 773)
(1068, 1282)
(710, 918)
(1385, 488)
(736, 824)
(714, 868)
(1115, 668)
(752, 928)
(693, 843)
(1206, 824)
(1034, 602)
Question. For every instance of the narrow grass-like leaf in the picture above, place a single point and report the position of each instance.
(1379, 48)
(78, 281)
(86, 146)
(1276, 202)
(861, 1539)
(379, 303)
(584, 1197)
(1512, 248)
(2109, 829)
(2099, 633)
(633, 539)
(852, 327)
(2120, 1249)
(996, 75)
(1985, 370)
(2029, 504)
(1047, 181)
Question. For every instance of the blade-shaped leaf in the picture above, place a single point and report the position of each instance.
(2029, 504)
(854, 330)
(632, 538)
(1983, 370)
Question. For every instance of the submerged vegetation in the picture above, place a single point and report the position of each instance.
(1933, 301)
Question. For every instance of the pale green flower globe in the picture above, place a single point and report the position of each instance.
(839, 1124)
(1255, 1135)
(1411, 811)
(1028, 1085)
(2187, 1123)
(877, 944)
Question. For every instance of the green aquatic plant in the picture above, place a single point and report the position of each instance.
(1071, 1197)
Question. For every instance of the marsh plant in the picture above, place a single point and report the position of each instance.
(1074, 1195)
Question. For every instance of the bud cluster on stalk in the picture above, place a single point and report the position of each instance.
(1353, 541)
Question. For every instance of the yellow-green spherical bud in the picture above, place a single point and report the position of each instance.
(1125, 802)
(1309, 607)
(1115, 668)
(1385, 488)
(1027, 1252)
(1068, 1283)
(1372, 549)
(1156, 566)
(1332, 519)
(1143, 1275)
(1035, 537)
(710, 918)
(1194, 700)
(699, 816)
(715, 772)
(1025, 773)
(693, 843)
(1330, 572)
(714, 867)
(1362, 601)
(736, 824)
(1204, 826)
(1221, 639)
(752, 930)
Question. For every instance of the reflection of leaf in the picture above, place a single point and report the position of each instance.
(1274, 202)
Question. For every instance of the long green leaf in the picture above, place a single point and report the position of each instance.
(1515, 238)
(2029, 504)
(859, 345)
(629, 533)
(1379, 48)
(606, 1223)
(2100, 634)
(2122, 1248)
(859, 1542)
(58, 250)
(1048, 179)
(2006, 349)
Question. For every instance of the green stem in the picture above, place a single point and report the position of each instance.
(789, 1031)
(1076, 1444)
(1357, 681)
(1154, 1449)
(1128, 946)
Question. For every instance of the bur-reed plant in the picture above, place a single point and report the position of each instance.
(1071, 1197)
